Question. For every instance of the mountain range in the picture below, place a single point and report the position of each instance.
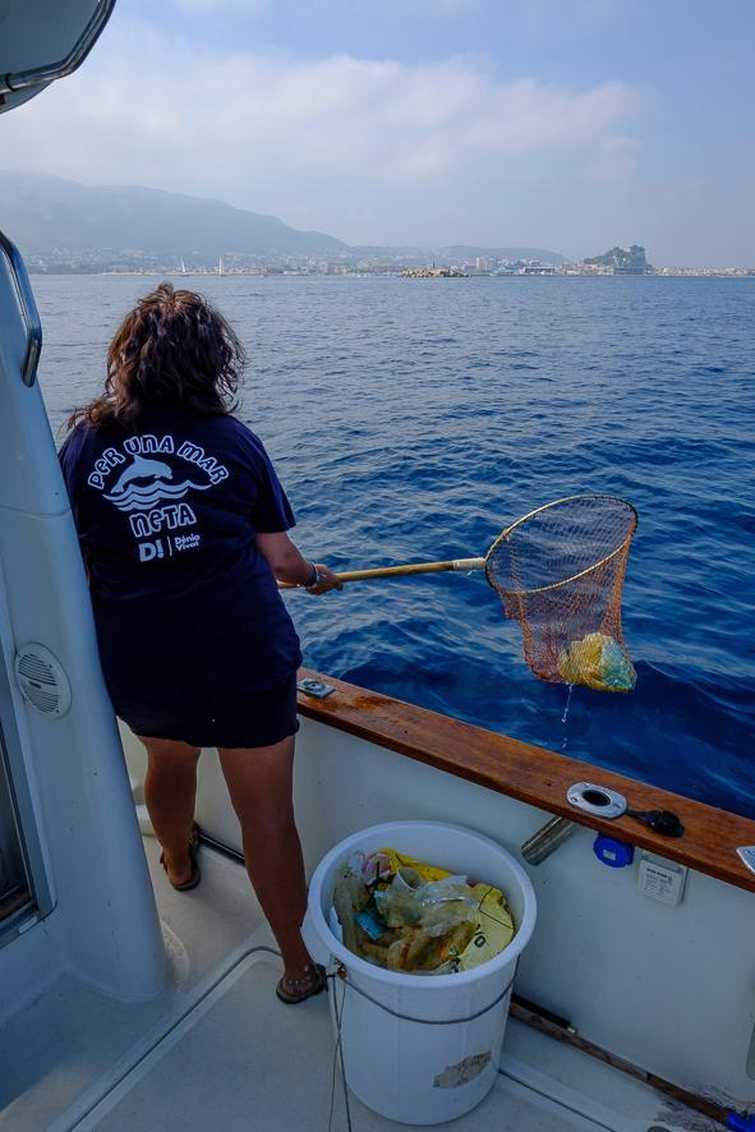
(51, 217)
(43, 213)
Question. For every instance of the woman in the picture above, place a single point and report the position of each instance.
(182, 523)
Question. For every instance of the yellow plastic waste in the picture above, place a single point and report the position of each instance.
(407, 915)
(404, 861)
(598, 662)
(494, 928)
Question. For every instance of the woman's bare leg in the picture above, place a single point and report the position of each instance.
(260, 782)
(170, 790)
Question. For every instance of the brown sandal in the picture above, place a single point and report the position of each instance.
(313, 981)
(196, 872)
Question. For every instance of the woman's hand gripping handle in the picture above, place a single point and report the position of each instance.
(291, 568)
(322, 579)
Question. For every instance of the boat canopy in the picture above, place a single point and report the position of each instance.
(44, 40)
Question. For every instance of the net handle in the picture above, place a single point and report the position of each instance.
(465, 564)
(409, 568)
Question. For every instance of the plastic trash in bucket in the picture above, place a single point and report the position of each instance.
(422, 1049)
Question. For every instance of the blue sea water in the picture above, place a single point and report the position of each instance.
(413, 419)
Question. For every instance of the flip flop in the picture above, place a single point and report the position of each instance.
(196, 872)
(292, 991)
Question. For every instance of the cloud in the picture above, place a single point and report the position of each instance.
(450, 8)
(615, 159)
(222, 7)
(252, 8)
(291, 136)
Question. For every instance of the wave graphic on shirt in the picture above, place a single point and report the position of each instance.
(129, 495)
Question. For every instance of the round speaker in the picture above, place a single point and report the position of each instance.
(42, 680)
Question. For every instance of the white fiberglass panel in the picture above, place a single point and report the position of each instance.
(671, 989)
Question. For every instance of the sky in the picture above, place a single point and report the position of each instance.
(571, 125)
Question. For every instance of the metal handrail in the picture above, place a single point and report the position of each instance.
(40, 76)
(28, 308)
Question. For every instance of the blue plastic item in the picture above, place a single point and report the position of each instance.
(740, 1123)
(370, 924)
(609, 851)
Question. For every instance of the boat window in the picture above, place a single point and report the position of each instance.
(15, 890)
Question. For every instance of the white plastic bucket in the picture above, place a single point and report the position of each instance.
(418, 1071)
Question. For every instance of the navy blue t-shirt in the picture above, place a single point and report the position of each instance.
(167, 514)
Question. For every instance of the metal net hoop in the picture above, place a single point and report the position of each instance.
(560, 573)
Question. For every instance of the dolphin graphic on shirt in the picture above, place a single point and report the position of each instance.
(143, 486)
(141, 469)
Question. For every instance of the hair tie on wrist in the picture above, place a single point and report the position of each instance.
(314, 578)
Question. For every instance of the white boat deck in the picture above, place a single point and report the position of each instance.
(221, 1052)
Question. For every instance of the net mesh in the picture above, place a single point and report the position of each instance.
(560, 573)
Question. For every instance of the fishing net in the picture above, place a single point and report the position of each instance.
(560, 573)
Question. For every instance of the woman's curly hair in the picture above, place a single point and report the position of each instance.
(173, 349)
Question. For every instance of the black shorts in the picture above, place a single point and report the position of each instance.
(258, 718)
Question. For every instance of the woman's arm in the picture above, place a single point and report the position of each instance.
(289, 565)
